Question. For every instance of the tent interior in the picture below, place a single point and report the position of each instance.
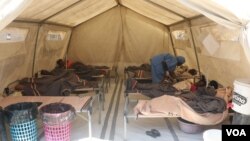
(34, 34)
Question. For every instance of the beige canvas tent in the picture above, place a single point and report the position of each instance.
(124, 32)
(213, 36)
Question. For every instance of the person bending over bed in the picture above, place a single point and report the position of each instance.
(164, 63)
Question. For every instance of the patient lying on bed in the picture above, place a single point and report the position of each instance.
(83, 71)
(87, 71)
(207, 106)
(153, 90)
(145, 67)
(144, 71)
(53, 85)
(149, 89)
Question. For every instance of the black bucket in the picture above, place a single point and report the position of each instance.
(57, 113)
(21, 112)
(2, 126)
(21, 118)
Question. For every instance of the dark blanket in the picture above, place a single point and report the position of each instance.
(86, 71)
(52, 85)
(149, 89)
(88, 84)
(56, 71)
(204, 101)
(145, 67)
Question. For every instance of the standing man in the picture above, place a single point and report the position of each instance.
(162, 63)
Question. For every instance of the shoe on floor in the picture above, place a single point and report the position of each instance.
(153, 133)
(156, 132)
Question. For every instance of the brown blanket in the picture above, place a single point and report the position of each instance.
(171, 106)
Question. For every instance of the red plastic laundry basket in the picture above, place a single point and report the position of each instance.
(57, 132)
(57, 119)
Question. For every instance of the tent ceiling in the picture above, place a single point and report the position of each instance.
(177, 7)
(74, 12)
(42, 9)
(151, 11)
(77, 15)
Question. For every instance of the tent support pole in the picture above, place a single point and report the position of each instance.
(187, 19)
(194, 46)
(51, 23)
(122, 45)
(34, 55)
(171, 41)
(67, 50)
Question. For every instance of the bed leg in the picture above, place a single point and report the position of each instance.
(125, 118)
(109, 77)
(116, 79)
(99, 107)
(89, 122)
(106, 83)
(125, 128)
(103, 99)
(101, 96)
(126, 108)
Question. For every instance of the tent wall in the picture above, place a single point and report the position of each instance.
(16, 56)
(184, 46)
(51, 45)
(123, 35)
(97, 41)
(127, 38)
(228, 62)
(143, 38)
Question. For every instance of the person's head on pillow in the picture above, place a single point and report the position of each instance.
(192, 72)
(214, 84)
(60, 63)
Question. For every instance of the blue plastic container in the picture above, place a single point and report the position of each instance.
(24, 132)
(21, 118)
